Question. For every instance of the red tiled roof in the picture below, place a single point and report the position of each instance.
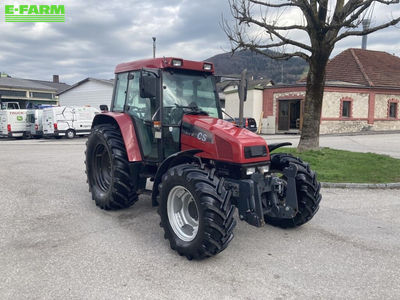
(365, 67)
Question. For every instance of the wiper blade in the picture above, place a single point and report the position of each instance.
(194, 109)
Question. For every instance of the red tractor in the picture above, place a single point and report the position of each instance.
(165, 124)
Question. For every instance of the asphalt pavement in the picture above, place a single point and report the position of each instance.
(56, 244)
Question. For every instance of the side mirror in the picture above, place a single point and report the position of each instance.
(103, 107)
(148, 85)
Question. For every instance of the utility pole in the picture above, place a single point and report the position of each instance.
(154, 47)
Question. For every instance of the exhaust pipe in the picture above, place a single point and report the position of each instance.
(242, 95)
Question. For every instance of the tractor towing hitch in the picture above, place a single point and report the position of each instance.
(259, 195)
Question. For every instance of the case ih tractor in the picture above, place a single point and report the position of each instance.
(165, 124)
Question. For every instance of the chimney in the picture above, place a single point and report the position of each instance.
(365, 24)
(56, 79)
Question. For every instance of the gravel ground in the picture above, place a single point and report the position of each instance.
(56, 244)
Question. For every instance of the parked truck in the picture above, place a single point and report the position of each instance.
(13, 123)
(68, 121)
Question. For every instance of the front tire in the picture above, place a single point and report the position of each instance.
(196, 211)
(308, 191)
(107, 169)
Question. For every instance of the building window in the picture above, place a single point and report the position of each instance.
(393, 108)
(41, 95)
(345, 107)
(13, 93)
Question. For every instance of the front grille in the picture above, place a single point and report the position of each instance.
(255, 151)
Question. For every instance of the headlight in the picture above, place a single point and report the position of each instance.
(250, 171)
(177, 62)
(207, 67)
(263, 169)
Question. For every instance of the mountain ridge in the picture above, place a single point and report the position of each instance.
(259, 66)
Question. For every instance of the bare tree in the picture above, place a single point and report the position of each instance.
(258, 26)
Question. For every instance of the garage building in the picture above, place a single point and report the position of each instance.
(88, 92)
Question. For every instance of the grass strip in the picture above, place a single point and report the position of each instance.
(334, 165)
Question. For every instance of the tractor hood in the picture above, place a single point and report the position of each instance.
(222, 140)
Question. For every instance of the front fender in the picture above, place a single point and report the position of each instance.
(172, 160)
(124, 123)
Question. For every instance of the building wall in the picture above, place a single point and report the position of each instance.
(331, 104)
(27, 97)
(91, 93)
(369, 109)
(252, 107)
(381, 104)
(332, 127)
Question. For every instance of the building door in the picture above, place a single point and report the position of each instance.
(283, 121)
(289, 115)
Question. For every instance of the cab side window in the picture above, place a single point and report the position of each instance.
(138, 107)
(120, 92)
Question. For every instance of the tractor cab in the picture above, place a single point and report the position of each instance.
(157, 93)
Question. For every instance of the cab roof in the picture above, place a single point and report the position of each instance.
(165, 63)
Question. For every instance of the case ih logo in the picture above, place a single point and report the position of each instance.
(34, 13)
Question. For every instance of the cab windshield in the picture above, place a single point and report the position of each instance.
(183, 90)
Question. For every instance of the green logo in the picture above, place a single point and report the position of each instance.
(19, 118)
(34, 13)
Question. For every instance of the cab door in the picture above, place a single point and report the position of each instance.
(144, 111)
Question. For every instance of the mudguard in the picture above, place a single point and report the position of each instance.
(172, 160)
(125, 124)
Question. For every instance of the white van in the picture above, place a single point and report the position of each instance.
(34, 125)
(68, 121)
(13, 123)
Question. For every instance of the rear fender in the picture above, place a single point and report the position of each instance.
(125, 125)
(172, 160)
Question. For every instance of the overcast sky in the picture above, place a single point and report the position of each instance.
(99, 34)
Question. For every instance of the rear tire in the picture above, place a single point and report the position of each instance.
(70, 134)
(209, 211)
(308, 191)
(107, 169)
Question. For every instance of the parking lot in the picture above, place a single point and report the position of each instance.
(56, 244)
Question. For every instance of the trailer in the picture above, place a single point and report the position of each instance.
(68, 121)
(34, 124)
(13, 123)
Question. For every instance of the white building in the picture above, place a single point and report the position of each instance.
(253, 107)
(88, 92)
